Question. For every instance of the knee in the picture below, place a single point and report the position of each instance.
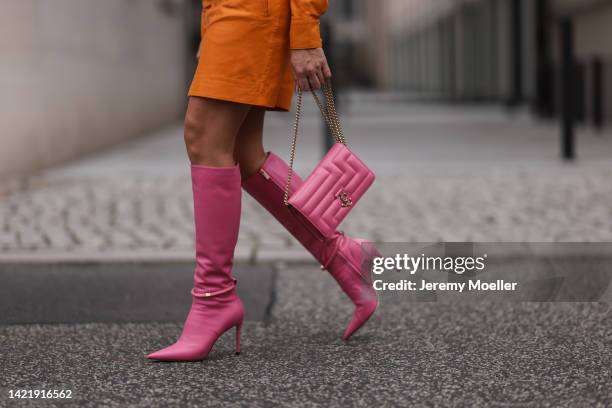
(195, 135)
(201, 145)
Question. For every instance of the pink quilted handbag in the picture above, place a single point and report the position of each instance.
(339, 180)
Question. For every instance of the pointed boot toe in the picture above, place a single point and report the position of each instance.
(161, 355)
(165, 354)
(346, 268)
(177, 353)
(361, 315)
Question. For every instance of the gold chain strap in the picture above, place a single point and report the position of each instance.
(331, 119)
(329, 113)
(298, 114)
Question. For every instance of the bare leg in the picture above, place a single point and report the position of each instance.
(249, 151)
(211, 127)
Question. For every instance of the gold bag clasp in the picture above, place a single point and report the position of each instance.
(345, 199)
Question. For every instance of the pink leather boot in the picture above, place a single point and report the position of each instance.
(341, 255)
(215, 306)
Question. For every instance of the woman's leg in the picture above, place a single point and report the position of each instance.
(249, 151)
(211, 127)
(264, 177)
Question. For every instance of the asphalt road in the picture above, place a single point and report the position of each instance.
(116, 292)
(411, 354)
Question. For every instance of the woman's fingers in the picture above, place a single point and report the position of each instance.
(326, 71)
(310, 79)
(310, 68)
(314, 80)
(320, 76)
(303, 84)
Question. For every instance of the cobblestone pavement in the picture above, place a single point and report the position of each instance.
(444, 173)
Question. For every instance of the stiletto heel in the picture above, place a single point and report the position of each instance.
(238, 339)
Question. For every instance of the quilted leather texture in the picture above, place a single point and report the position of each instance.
(340, 178)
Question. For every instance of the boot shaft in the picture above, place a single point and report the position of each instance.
(216, 207)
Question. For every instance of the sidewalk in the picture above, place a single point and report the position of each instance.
(444, 173)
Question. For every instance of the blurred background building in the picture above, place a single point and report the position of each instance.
(78, 75)
(480, 50)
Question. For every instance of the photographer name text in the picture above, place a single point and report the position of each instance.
(423, 285)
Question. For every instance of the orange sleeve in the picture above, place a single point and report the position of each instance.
(305, 15)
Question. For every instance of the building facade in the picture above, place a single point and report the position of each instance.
(483, 50)
(79, 75)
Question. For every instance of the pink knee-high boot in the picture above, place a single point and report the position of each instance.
(215, 306)
(341, 255)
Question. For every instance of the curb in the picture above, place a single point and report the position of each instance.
(89, 292)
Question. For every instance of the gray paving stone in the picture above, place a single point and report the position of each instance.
(58, 237)
(443, 174)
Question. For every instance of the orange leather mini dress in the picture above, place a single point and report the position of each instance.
(244, 53)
